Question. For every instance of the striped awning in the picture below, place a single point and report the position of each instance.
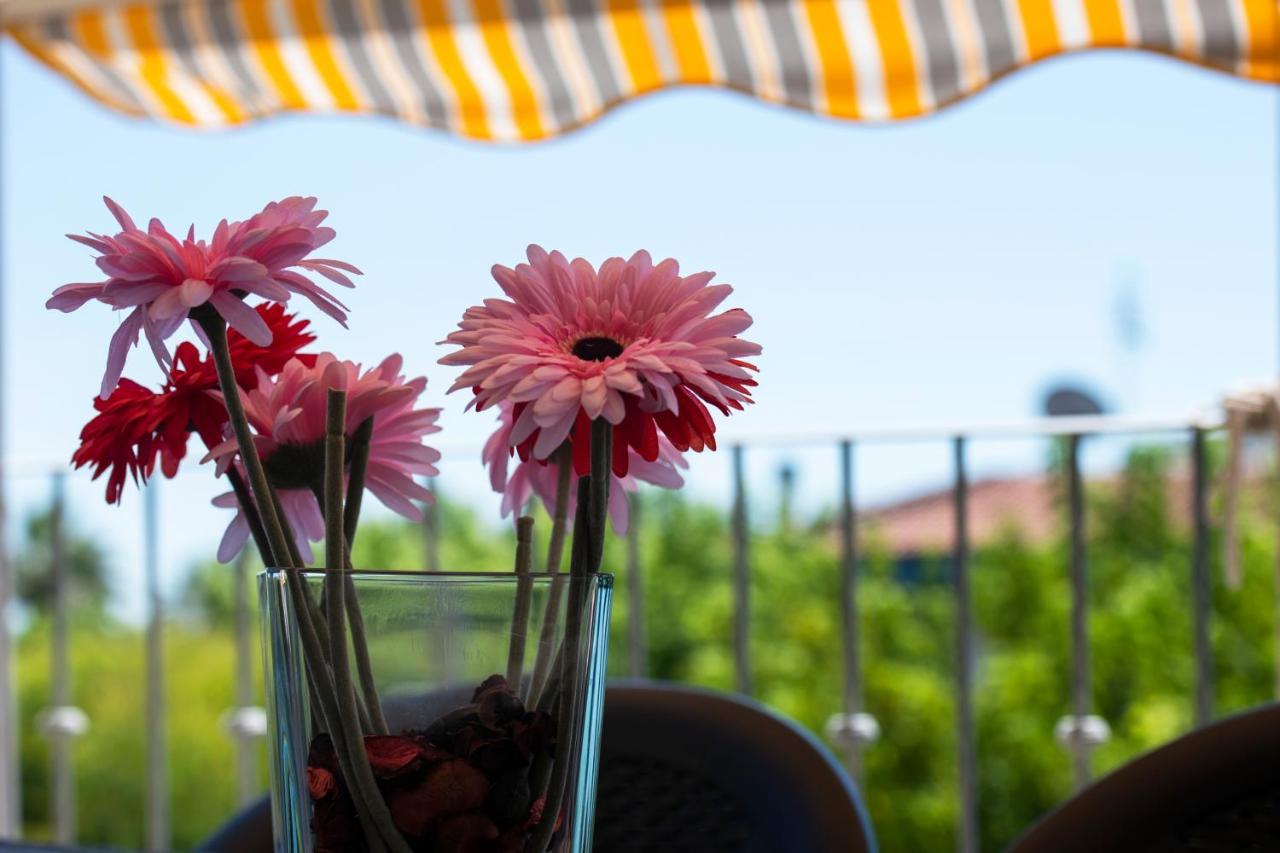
(528, 69)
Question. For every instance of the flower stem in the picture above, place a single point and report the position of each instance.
(366, 722)
(215, 329)
(361, 779)
(245, 499)
(555, 554)
(281, 551)
(350, 521)
(524, 592)
(560, 516)
(588, 551)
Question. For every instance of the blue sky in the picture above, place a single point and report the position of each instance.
(933, 272)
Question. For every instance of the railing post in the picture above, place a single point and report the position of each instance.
(1082, 731)
(741, 579)
(637, 647)
(10, 776)
(157, 759)
(61, 722)
(1201, 589)
(442, 630)
(431, 530)
(967, 841)
(786, 497)
(854, 729)
(1080, 686)
(246, 722)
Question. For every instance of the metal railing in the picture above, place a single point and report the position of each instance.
(1080, 732)
(853, 729)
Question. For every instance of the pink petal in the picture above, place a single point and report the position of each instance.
(124, 337)
(242, 318)
(69, 297)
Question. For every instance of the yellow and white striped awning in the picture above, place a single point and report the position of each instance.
(528, 69)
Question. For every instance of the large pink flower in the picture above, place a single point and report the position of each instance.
(537, 477)
(635, 344)
(162, 278)
(287, 413)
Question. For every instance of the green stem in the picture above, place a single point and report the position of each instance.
(319, 611)
(555, 556)
(563, 459)
(215, 330)
(245, 499)
(598, 506)
(360, 442)
(524, 592)
(361, 779)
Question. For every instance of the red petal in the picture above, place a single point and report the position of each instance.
(621, 458)
(674, 429)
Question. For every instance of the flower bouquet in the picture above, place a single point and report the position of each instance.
(478, 733)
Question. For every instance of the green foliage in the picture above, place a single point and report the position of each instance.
(107, 678)
(86, 583)
(1139, 627)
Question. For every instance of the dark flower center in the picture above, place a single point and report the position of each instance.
(597, 349)
(298, 466)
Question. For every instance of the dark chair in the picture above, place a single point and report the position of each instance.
(686, 770)
(1215, 790)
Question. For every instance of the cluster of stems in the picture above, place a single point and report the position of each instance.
(345, 714)
(558, 695)
(348, 708)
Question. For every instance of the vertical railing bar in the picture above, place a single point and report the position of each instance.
(431, 530)
(849, 601)
(157, 760)
(10, 775)
(967, 841)
(64, 805)
(442, 630)
(246, 783)
(637, 651)
(741, 578)
(1201, 591)
(1081, 695)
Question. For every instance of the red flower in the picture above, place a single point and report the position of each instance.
(135, 426)
(122, 437)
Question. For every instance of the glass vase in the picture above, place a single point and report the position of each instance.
(490, 686)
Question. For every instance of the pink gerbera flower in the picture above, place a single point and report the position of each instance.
(634, 343)
(162, 279)
(287, 413)
(539, 477)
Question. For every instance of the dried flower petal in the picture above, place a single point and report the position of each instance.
(392, 755)
(448, 788)
(320, 782)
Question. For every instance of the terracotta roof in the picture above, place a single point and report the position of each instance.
(1024, 504)
(926, 523)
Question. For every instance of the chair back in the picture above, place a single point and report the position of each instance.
(688, 770)
(1215, 789)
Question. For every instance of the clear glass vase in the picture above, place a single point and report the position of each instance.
(474, 674)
